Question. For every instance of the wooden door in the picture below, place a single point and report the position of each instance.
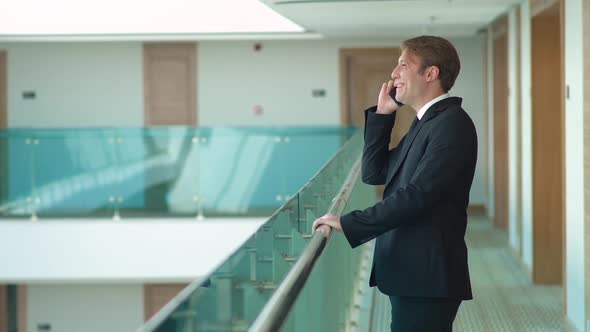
(170, 100)
(157, 296)
(13, 308)
(548, 142)
(4, 309)
(170, 84)
(500, 63)
(362, 72)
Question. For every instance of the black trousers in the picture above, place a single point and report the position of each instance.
(422, 314)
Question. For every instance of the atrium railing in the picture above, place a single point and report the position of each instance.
(241, 289)
(280, 304)
(160, 171)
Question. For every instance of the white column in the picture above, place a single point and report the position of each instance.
(526, 132)
(513, 157)
(574, 158)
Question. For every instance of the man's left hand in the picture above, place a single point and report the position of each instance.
(330, 220)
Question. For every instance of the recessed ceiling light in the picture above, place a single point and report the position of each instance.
(107, 17)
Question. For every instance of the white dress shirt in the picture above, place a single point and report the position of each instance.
(430, 103)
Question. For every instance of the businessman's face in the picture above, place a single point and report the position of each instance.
(408, 79)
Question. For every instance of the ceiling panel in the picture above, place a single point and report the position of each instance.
(392, 18)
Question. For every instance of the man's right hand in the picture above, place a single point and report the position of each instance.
(386, 104)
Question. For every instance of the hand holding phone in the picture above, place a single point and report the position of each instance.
(392, 95)
(386, 103)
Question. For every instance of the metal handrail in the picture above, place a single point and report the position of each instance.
(277, 308)
(321, 235)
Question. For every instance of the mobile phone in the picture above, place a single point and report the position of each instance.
(392, 95)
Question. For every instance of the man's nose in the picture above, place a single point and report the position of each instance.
(394, 73)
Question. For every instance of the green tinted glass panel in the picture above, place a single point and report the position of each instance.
(180, 171)
(231, 297)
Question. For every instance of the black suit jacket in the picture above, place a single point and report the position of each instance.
(420, 223)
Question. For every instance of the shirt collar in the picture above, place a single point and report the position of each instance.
(424, 108)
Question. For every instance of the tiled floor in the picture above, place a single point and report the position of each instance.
(504, 298)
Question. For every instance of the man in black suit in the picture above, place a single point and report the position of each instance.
(420, 258)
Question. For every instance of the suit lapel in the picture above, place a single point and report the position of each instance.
(405, 148)
(432, 112)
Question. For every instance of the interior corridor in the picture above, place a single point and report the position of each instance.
(504, 297)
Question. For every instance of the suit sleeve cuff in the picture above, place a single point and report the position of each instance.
(377, 121)
(375, 117)
(347, 224)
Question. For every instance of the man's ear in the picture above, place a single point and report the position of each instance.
(432, 73)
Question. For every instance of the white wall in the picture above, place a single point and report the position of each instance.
(101, 84)
(99, 251)
(526, 138)
(76, 85)
(574, 150)
(233, 78)
(88, 308)
(513, 132)
(469, 86)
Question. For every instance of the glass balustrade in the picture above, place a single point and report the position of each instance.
(231, 297)
(179, 171)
